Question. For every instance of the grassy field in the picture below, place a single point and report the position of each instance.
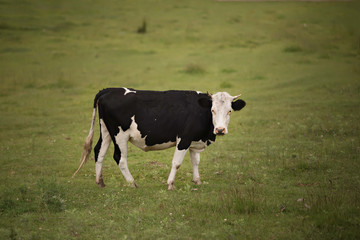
(288, 169)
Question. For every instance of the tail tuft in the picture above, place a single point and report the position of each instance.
(87, 146)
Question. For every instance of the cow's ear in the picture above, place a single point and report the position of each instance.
(205, 102)
(238, 105)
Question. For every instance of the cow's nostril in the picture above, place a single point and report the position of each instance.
(220, 131)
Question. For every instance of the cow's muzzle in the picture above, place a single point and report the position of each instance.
(220, 131)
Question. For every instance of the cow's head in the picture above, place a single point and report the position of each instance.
(221, 108)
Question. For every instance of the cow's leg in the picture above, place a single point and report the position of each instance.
(195, 160)
(120, 157)
(100, 151)
(176, 163)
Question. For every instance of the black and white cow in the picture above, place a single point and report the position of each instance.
(153, 120)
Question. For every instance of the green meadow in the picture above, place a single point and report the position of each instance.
(288, 169)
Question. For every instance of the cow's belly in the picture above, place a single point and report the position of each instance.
(140, 143)
(136, 139)
(198, 146)
(160, 146)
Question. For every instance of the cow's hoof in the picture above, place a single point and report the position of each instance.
(132, 184)
(101, 184)
(197, 181)
(171, 186)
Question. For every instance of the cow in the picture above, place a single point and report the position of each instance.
(156, 120)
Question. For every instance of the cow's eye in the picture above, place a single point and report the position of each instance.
(213, 111)
(229, 112)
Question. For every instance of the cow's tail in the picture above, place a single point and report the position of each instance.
(88, 144)
(89, 139)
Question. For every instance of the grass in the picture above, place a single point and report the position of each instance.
(293, 49)
(288, 169)
(194, 69)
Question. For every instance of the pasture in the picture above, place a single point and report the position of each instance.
(288, 169)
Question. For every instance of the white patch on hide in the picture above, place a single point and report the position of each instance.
(198, 146)
(128, 91)
(138, 141)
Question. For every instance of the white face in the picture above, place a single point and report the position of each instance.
(221, 110)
